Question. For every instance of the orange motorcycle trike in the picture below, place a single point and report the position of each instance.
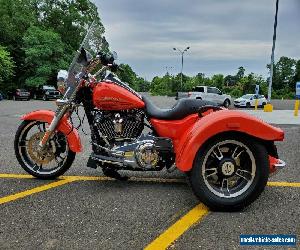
(227, 155)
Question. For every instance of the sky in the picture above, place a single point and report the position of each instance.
(222, 35)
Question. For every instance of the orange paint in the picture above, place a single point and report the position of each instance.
(64, 126)
(110, 96)
(191, 133)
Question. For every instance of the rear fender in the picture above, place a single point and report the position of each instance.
(221, 122)
(64, 126)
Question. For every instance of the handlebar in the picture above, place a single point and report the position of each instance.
(105, 58)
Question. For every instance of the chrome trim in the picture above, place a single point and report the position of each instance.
(280, 165)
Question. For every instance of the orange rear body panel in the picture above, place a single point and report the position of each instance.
(191, 133)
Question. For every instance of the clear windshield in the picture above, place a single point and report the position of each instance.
(90, 45)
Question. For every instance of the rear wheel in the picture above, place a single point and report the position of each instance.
(230, 172)
(49, 163)
(45, 98)
(248, 105)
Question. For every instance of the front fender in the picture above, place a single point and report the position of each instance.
(220, 122)
(64, 126)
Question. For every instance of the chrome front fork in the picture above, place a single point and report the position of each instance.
(64, 105)
(49, 131)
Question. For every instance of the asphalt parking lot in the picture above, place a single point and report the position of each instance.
(84, 210)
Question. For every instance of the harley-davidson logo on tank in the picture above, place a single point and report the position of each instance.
(109, 96)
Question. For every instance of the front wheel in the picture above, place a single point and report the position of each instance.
(48, 163)
(45, 98)
(230, 172)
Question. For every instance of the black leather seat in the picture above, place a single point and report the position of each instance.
(180, 110)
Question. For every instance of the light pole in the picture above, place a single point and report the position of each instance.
(272, 55)
(182, 53)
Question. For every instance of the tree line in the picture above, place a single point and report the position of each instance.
(39, 37)
(286, 74)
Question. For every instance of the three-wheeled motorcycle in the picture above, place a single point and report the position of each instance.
(227, 155)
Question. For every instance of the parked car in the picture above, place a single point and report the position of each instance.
(248, 101)
(18, 94)
(46, 92)
(212, 94)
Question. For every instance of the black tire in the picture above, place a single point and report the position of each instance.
(26, 163)
(248, 105)
(45, 98)
(14, 98)
(35, 97)
(263, 104)
(216, 202)
(226, 103)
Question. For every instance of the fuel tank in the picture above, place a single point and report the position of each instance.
(111, 96)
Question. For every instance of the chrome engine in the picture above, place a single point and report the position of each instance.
(125, 145)
(140, 154)
(119, 125)
(146, 153)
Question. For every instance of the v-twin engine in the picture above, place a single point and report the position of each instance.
(146, 153)
(119, 125)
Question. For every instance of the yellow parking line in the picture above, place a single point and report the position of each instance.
(178, 228)
(160, 180)
(34, 190)
(283, 184)
(135, 179)
(86, 178)
(16, 176)
(97, 178)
